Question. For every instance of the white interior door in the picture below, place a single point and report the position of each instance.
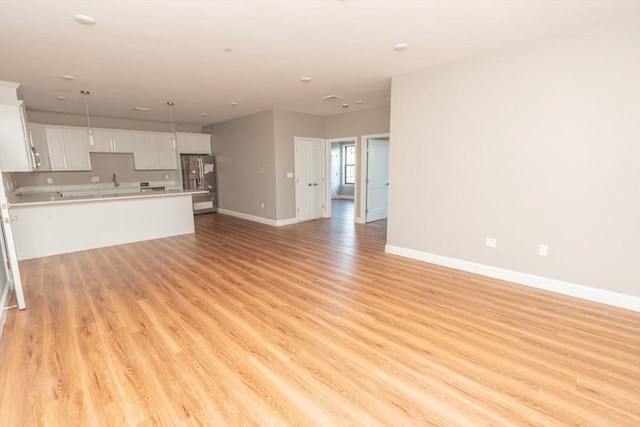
(335, 169)
(10, 272)
(377, 179)
(309, 159)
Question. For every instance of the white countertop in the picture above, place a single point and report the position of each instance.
(31, 199)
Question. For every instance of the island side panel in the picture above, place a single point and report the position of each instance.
(57, 228)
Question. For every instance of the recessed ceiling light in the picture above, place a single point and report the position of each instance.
(401, 46)
(68, 77)
(57, 110)
(203, 114)
(305, 79)
(141, 109)
(359, 102)
(84, 19)
(61, 98)
(332, 97)
(345, 105)
(234, 104)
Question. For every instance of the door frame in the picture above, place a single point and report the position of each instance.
(361, 215)
(323, 168)
(327, 172)
(9, 251)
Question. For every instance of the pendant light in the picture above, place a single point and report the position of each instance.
(173, 135)
(86, 94)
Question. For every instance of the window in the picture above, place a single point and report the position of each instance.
(350, 164)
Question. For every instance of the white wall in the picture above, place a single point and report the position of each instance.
(538, 143)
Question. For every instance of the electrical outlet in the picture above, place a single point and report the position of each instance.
(289, 174)
(490, 242)
(95, 179)
(544, 250)
(166, 177)
(262, 205)
(49, 180)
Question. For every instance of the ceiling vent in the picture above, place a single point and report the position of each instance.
(333, 98)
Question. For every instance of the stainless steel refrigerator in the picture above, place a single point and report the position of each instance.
(199, 173)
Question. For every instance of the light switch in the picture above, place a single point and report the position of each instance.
(490, 242)
(49, 180)
(289, 174)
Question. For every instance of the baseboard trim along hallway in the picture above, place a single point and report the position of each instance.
(260, 219)
(588, 293)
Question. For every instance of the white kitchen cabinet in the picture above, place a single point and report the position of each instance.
(38, 136)
(111, 141)
(68, 148)
(193, 143)
(167, 152)
(17, 154)
(153, 150)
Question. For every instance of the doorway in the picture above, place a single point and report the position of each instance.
(310, 178)
(342, 172)
(374, 177)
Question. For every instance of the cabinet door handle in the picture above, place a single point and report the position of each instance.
(36, 157)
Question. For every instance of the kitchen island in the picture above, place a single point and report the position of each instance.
(48, 224)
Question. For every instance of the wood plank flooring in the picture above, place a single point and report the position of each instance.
(312, 324)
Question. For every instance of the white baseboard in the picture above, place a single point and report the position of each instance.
(341, 196)
(288, 221)
(359, 220)
(4, 300)
(261, 220)
(603, 296)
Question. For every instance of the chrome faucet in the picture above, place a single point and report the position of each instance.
(115, 180)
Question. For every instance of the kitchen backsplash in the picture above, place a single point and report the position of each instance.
(104, 165)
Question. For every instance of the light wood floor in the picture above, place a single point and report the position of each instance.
(312, 324)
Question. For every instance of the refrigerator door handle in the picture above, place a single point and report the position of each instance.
(200, 174)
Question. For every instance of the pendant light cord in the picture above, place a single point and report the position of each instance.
(86, 108)
(173, 135)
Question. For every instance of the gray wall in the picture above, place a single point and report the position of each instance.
(358, 123)
(245, 154)
(288, 125)
(533, 144)
(267, 138)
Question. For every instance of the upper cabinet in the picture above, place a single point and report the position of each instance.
(193, 143)
(111, 141)
(154, 150)
(16, 152)
(38, 135)
(68, 148)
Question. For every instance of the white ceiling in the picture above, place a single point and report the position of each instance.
(144, 53)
